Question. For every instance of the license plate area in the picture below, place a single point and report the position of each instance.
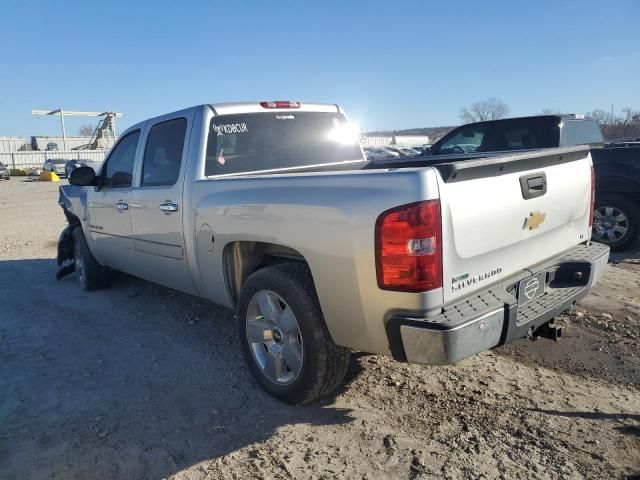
(531, 288)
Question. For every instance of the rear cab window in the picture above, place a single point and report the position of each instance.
(278, 141)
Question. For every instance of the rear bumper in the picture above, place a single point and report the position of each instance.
(492, 317)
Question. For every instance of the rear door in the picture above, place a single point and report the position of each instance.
(109, 206)
(157, 208)
(502, 215)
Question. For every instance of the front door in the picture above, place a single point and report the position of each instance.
(109, 206)
(157, 209)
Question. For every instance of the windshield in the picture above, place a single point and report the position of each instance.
(258, 142)
(59, 162)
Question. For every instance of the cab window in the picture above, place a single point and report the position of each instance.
(118, 168)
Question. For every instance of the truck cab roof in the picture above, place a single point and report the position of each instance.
(233, 108)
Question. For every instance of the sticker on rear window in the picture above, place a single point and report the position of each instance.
(230, 128)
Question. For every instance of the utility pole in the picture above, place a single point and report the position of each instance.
(70, 113)
(64, 134)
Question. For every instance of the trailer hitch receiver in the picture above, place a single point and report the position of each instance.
(549, 330)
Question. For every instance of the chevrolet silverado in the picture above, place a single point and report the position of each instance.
(271, 208)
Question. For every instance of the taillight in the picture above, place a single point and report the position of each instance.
(408, 247)
(280, 104)
(593, 196)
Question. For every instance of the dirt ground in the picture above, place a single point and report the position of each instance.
(138, 381)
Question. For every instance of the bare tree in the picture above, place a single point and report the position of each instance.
(617, 126)
(601, 117)
(490, 109)
(86, 130)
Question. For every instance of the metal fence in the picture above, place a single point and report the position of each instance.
(37, 159)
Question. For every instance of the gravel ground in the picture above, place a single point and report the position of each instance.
(139, 381)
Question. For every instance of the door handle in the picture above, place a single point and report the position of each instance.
(169, 207)
(533, 185)
(122, 206)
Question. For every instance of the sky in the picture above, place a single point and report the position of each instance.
(390, 64)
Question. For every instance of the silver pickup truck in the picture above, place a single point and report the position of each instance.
(271, 209)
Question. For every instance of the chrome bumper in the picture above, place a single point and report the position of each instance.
(492, 317)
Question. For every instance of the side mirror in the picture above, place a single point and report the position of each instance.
(426, 151)
(82, 177)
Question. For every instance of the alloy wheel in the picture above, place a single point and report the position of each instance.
(610, 224)
(274, 337)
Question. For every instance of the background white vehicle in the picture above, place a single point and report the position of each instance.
(55, 165)
(271, 209)
(380, 153)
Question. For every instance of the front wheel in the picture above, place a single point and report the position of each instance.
(284, 338)
(89, 273)
(616, 221)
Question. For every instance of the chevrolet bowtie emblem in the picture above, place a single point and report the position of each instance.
(534, 220)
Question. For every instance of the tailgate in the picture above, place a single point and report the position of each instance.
(505, 214)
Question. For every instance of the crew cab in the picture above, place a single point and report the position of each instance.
(270, 208)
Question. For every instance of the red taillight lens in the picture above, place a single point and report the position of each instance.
(593, 196)
(408, 247)
(280, 104)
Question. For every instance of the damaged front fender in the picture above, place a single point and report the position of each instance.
(65, 244)
(65, 252)
(72, 199)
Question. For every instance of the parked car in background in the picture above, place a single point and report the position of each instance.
(380, 153)
(617, 215)
(412, 151)
(55, 165)
(4, 172)
(270, 208)
(400, 151)
(71, 165)
(522, 133)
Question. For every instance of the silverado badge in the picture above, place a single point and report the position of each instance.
(534, 220)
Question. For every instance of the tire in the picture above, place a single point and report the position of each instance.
(90, 275)
(616, 221)
(289, 291)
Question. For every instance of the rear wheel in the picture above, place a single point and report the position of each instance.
(284, 338)
(615, 221)
(90, 275)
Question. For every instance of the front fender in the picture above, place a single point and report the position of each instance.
(73, 200)
(65, 244)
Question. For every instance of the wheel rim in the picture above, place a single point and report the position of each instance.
(610, 224)
(78, 261)
(274, 337)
